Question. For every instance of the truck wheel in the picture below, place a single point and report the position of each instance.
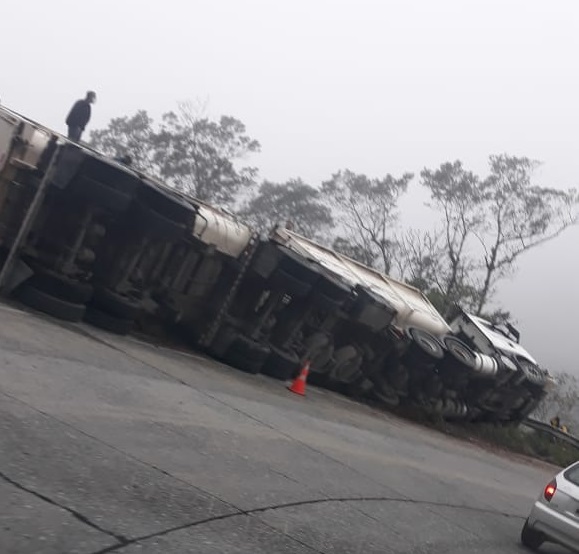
(51, 305)
(227, 332)
(247, 354)
(281, 365)
(387, 396)
(60, 286)
(281, 280)
(321, 357)
(530, 538)
(458, 355)
(116, 304)
(95, 192)
(345, 365)
(108, 322)
(424, 349)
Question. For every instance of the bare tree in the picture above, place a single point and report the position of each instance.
(518, 217)
(487, 224)
(344, 246)
(455, 192)
(418, 257)
(133, 135)
(366, 208)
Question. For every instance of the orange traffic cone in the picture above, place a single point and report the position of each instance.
(299, 384)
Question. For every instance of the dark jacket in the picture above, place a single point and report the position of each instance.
(79, 114)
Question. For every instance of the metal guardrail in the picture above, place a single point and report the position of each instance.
(554, 432)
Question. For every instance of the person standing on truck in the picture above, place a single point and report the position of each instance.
(79, 116)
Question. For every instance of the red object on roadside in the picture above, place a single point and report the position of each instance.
(299, 384)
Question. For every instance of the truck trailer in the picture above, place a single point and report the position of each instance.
(85, 238)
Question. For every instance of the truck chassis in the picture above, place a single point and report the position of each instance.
(83, 237)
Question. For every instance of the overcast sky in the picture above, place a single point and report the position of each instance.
(377, 86)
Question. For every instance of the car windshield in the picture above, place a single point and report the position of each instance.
(572, 474)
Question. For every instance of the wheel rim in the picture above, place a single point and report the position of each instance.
(427, 343)
(461, 352)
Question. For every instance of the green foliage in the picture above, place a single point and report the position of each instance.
(518, 439)
(293, 201)
(134, 135)
(486, 224)
(194, 154)
(198, 155)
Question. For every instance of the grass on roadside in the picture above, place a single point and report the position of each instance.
(520, 440)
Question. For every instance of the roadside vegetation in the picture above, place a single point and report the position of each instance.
(562, 402)
(520, 440)
(485, 223)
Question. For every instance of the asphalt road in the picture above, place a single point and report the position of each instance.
(111, 445)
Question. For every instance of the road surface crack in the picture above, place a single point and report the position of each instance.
(301, 503)
(122, 540)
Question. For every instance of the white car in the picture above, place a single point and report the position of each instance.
(555, 514)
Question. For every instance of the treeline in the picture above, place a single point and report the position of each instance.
(484, 222)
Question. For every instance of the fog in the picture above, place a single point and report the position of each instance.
(374, 86)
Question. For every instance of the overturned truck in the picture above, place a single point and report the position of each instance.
(83, 237)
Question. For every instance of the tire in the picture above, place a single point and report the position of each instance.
(247, 355)
(387, 397)
(61, 286)
(94, 192)
(424, 349)
(344, 359)
(158, 225)
(227, 333)
(115, 304)
(108, 322)
(458, 355)
(51, 305)
(530, 538)
(224, 338)
(167, 204)
(281, 365)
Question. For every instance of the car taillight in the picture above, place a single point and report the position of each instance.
(550, 490)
